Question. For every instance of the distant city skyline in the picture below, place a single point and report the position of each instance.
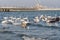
(29, 3)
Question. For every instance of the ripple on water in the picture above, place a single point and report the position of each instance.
(35, 31)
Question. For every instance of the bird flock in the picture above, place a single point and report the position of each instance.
(24, 21)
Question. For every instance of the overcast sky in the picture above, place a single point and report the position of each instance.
(29, 3)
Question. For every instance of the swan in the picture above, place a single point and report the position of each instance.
(25, 19)
(4, 22)
(7, 21)
(36, 19)
(24, 22)
(43, 18)
(52, 19)
(17, 21)
(20, 21)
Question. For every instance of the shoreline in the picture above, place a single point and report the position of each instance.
(25, 9)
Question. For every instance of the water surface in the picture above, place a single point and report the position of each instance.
(35, 32)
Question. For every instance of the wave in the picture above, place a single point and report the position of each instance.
(34, 25)
(8, 32)
(35, 37)
(30, 37)
(41, 25)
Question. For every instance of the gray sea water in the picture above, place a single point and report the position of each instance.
(35, 32)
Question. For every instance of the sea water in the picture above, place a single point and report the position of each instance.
(32, 32)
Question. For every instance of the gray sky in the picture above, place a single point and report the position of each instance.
(29, 3)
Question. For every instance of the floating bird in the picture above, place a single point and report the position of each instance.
(24, 22)
(6, 20)
(36, 19)
(53, 20)
(43, 18)
(50, 19)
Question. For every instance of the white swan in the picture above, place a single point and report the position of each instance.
(7, 21)
(20, 21)
(36, 19)
(43, 18)
(25, 19)
(17, 21)
(24, 22)
(4, 22)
